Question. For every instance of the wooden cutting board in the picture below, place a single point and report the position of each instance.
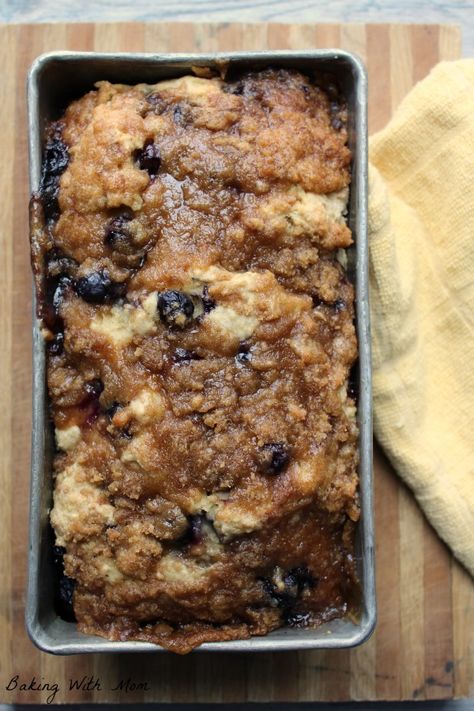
(424, 643)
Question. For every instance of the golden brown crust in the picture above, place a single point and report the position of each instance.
(201, 334)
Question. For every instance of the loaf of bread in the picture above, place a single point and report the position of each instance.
(188, 247)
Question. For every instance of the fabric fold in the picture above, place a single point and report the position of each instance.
(421, 238)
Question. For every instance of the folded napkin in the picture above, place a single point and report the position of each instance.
(421, 237)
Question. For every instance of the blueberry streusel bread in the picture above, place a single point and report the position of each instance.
(187, 246)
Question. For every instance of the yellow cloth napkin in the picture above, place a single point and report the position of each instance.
(421, 237)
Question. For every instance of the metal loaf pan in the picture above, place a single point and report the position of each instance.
(54, 80)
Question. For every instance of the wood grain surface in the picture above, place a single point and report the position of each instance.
(424, 643)
(460, 12)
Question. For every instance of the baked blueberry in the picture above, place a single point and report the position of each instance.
(157, 102)
(94, 288)
(336, 121)
(199, 527)
(90, 403)
(279, 598)
(112, 409)
(194, 533)
(148, 158)
(207, 303)
(117, 236)
(317, 301)
(58, 556)
(353, 383)
(243, 354)
(175, 308)
(296, 619)
(55, 289)
(94, 388)
(56, 156)
(294, 582)
(57, 280)
(274, 457)
(181, 355)
(65, 599)
(97, 287)
(237, 89)
(56, 346)
(195, 528)
(66, 590)
(178, 114)
(65, 586)
(338, 305)
(147, 624)
(298, 579)
(55, 162)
